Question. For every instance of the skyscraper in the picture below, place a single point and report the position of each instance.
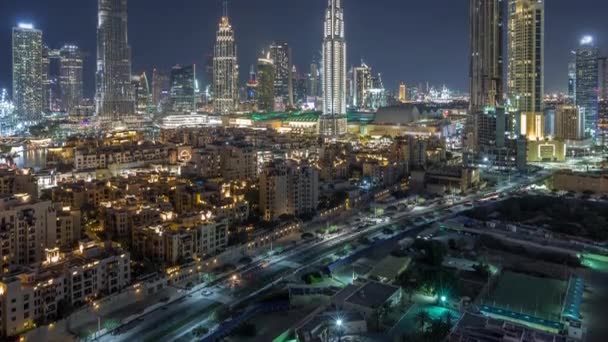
(160, 83)
(70, 77)
(114, 96)
(225, 68)
(603, 75)
(572, 81)
(486, 68)
(183, 85)
(403, 92)
(569, 123)
(362, 83)
(143, 97)
(333, 120)
(525, 73)
(265, 84)
(587, 84)
(27, 73)
(314, 77)
(280, 53)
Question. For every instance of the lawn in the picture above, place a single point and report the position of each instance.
(538, 297)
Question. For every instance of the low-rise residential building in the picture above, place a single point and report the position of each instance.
(15, 181)
(132, 155)
(581, 182)
(38, 293)
(27, 227)
(175, 243)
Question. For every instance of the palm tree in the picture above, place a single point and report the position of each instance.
(422, 317)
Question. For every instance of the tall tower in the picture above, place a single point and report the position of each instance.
(402, 92)
(486, 67)
(183, 85)
(27, 73)
(525, 74)
(333, 120)
(114, 95)
(70, 76)
(225, 68)
(280, 53)
(265, 80)
(587, 84)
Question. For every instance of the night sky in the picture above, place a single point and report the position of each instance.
(414, 41)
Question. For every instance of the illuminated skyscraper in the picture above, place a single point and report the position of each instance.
(362, 82)
(265, 84)
(525, 74)
(333, 120)
(485, 20)
(114, 96)
(572, 81)
(280, 53)
(70, 77)
(27, 73)
(402, 93)
(183, 86)
(160, 84)
(225, 68)
(587, 84)
(143, 96)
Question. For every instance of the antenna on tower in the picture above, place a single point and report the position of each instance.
(226, 8)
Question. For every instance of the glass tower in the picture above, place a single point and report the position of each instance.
(587, 84)
(27, 73)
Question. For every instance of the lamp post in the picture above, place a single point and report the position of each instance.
(339, 329)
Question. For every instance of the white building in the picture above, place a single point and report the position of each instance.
(333, 121)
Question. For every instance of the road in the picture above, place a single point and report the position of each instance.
(175, 321)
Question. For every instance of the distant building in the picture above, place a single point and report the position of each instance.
(265, 84)
(572, 81)
(160, 84)
(569, 123)
(183, 89)
(225, 69)
(70, 77)
(28, 89)
(587, 84)
(280, 53)
(362, 82)
(403, 93)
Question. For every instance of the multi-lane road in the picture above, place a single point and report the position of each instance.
(175, 321)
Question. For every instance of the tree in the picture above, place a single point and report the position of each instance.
(422, 317)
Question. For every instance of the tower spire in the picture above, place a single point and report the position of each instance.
(225, 13)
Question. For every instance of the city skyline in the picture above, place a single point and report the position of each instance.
(197, 37)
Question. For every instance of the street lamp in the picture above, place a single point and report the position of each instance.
(339, 328)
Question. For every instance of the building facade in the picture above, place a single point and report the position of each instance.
(525, 71)
(28, 90)
(114, 95)
(225, 69)
(587, 84)
(569, 123)
(280, 53)
(265, 84)
(333, 121)
(183, 89)
(486, 39)
(70, 77)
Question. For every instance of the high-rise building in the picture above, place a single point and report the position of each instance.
(28, 89)
(160, 83)
(50, 91)
(114, 95)
(265, 87)
(486, 45)
(143, 96)
(362, 82)
(225, 68)
(569, 123)
(603, 75)
(280, 53)
(333, 120)
(314, 81)
(183, 89)
(252, 85)
(403, 92)
(70, 77)
(572, 81)
(525, 73)
(587, 84)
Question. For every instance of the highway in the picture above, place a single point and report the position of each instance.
(175, 321)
